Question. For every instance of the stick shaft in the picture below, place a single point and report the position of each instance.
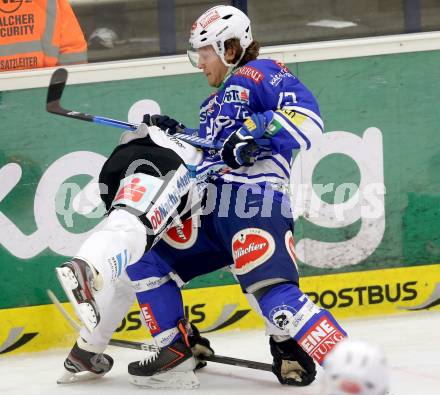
(244, 363)
(53, 105)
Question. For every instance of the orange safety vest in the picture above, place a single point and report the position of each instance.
(39, 33)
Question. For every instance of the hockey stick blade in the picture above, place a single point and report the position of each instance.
(56, 86)
(54, 94)
(244, 363)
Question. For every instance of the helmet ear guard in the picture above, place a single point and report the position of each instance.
(217, 25)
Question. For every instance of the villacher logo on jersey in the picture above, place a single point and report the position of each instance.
(251, 247)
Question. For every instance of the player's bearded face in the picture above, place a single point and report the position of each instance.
(211, 64)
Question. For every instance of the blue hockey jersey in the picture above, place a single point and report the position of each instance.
(256, 87)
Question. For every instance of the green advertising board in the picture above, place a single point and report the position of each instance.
(376, 196)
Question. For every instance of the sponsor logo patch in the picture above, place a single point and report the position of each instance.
(133, 191)
(251, 73)
(169, 200)
(236, 94)
(210, 18)
(294, 117)
(149, 318)
(183, 236)
(118, 263)
(273, 128)
(283, 73)
(282, 316)
(250, 248)
(137, 191)
(250, 124)
(320, 339)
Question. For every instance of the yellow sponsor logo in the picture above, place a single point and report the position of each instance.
(250, 124)
(294, 117)
(375, 292)
(372, 292)
(39, 328)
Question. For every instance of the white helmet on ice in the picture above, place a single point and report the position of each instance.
(217, 25)
(355, 367)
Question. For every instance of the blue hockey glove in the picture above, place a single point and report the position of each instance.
(242, 146)
(164, 122)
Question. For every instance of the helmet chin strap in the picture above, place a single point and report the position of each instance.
(231, 66)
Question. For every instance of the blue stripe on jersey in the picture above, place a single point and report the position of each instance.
(233, 173)
(286, 171)
(309, 114)
(277, 163)
(119, 260)
(307, 141)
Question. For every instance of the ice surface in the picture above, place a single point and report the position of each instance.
(411, 342)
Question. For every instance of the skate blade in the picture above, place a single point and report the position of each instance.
(167, 380)
(71, 378)
(84, 311)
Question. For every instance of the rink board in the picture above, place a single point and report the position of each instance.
(224, 308)
(46, 162)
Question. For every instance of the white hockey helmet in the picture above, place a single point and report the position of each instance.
(356, 367)
(215, 26)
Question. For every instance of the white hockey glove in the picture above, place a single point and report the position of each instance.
(164, 122)
(141, 132)
(199, 346)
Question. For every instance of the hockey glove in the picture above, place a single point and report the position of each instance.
(242, 146)
(199, 346)
(291, 364)
(164, 122)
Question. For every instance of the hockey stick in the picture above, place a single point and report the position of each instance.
(53, 105)
(244, 363)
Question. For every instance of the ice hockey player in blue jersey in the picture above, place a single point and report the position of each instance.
(263, 115)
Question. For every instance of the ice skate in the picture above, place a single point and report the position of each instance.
(77, 279)
(168, 367)
(82, 365)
